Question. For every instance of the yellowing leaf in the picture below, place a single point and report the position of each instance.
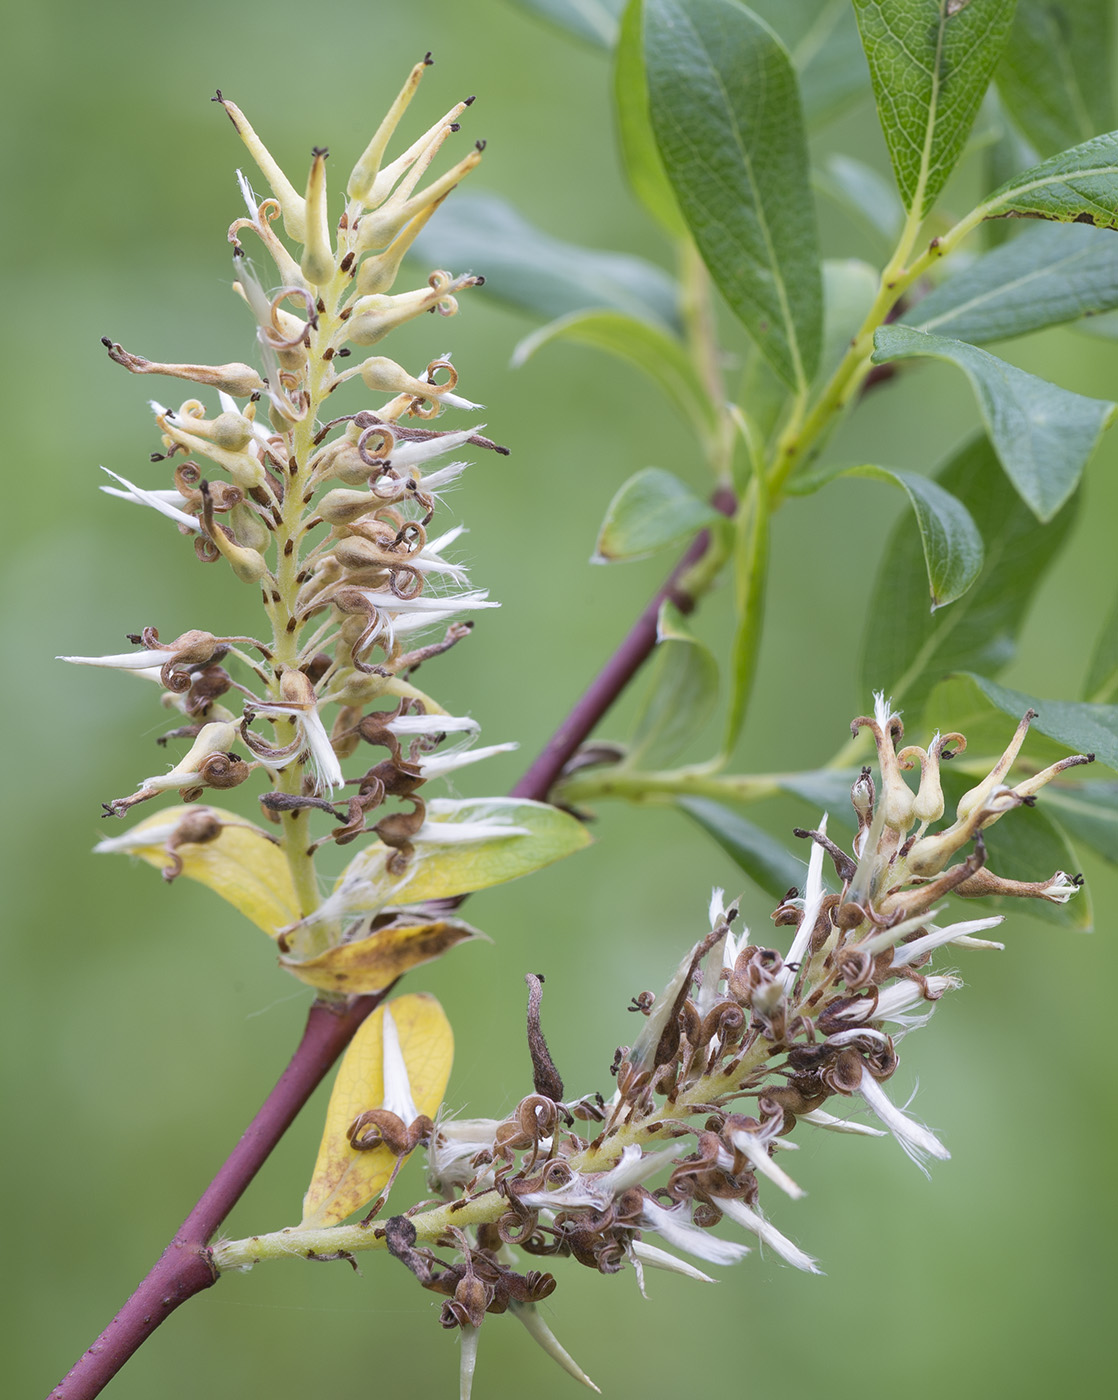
(242, 863)
(344, 1179)
(462, 847)
(369, 964)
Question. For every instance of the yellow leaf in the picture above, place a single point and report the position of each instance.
(369, 964)
(515, 837)
(241, 863)
(344, 1179)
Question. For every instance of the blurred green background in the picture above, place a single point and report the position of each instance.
(143, 1024)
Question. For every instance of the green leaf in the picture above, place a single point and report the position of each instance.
(650, 349)
(634, 127)
(822, 38)
(1055, 72)
(1077, 186)
(1089, 811)
(1049, 274)
(485, 841)
(862, 192)
(1043, 435)
(651, 510)
(682, 695)
(532, 271)
(1078, 725)
(1101, 685)
(726, 113)
(958, 703)
(594, 21)
(948, 535)
(907, 649)
(930, 62)
(751, 560)
(767, 863)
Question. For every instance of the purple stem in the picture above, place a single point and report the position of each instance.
(618, 671)
(184, 1268)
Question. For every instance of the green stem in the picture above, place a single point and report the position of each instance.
(665, 786)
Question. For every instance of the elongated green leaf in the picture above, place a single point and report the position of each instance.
(1089, 812)
(930, 62)
(958, 703)
(767, 863)
(822, 38)
(1026, 844)
(861, 191)
(651, 510)
(1055, 72)
(906, 649)
(1077, 186)
(683, 691)
(1101, 685)
(463, 846)
(948, 535)
(594, 21)
(634, 127)
(650, 349)
(1043, 435)
(1078, 725)
(535, 272)
(751, 564)
(1047, 275)
(726, 113)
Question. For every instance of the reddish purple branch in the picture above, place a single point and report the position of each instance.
(618, 671)
(184, 1268)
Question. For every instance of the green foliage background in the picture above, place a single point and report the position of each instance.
(142, 1025)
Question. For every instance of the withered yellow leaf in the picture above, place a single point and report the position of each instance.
(371, 963)
(241, 863)
(420, 1042)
